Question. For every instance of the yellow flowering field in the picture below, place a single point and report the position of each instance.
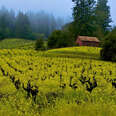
(68, 81)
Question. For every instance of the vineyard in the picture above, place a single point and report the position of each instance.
(60, 82)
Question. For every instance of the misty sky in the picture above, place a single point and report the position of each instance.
(60, 8)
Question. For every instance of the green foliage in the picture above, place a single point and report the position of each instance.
(27, 25)
(84, 21)
(109, 47)
(39, 45)
(1, 35)
(102, 12)
(91, 19)
(23, 28)
(70, 30)
(59, 39)
(6, 23)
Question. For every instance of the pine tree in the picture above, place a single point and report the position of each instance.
(83, 14)
(4, 23)
(23, 28)
(102, 13)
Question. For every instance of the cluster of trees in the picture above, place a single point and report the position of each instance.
(27, 25)
(108, 51)
(59, 39)
(91, 18)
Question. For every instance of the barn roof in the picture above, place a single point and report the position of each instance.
(90, 39)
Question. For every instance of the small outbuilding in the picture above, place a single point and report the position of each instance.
(87, 41)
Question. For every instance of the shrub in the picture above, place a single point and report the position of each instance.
(59, 39)
(108, 51)
(39, 45)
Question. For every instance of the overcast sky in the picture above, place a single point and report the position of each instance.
(60, 8)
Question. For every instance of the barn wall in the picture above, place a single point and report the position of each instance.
(79, 42)
(84, 43)
(87, 43)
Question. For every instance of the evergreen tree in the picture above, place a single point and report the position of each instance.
(102, 13)
(27, 25)
(108, 51)
(84, 19)
(44, 23)
(4, 23)
(11, 18)
(22, 26)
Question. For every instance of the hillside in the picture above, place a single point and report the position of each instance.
(77, 52)
(11, 43)
(59, 82)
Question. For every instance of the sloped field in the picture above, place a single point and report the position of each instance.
(60, 82)
(12, 43)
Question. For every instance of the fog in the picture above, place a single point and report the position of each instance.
(60, 8)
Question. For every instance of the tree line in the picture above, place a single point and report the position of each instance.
(91, 18)
(28, 25)
(94, 19)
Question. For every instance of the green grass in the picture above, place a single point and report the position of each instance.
(12, 43)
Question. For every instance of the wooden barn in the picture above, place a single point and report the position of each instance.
(87, 41)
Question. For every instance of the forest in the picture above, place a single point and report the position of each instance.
(28, 25)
